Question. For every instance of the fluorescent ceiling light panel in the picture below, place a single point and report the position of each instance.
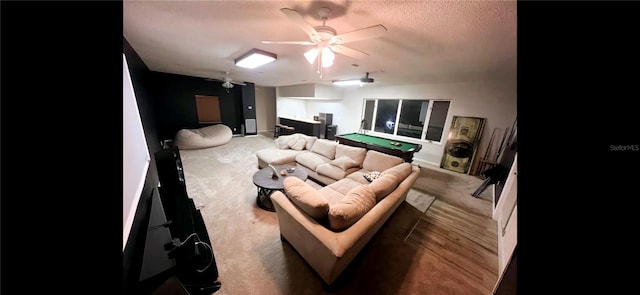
(347, 82)
(255, 58)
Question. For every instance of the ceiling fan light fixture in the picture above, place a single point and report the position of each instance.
(227, 84)
(255, 58)
(327, 57)
(311, 55)
(326, 39)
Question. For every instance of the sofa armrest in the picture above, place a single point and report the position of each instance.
(285, 207)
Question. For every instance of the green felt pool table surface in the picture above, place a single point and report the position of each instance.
(379, 141)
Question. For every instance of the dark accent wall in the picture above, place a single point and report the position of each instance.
(167, 104)
(177, 95)
(148, 107)
(249, 104)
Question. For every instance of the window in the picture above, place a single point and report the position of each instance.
(437, 120)
(412, 117)
(386, 115)
(369, 106)
(419, 119)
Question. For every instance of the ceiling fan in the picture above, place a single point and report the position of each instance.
(227, 82)
(326, 40)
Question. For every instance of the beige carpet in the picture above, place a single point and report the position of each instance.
(252, 259)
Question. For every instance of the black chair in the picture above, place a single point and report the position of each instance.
(287, 130)
(276, 130)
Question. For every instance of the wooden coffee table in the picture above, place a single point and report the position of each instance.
(267, 184)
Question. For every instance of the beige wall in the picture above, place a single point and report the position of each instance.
(265, 108)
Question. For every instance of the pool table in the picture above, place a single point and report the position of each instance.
(384, 145)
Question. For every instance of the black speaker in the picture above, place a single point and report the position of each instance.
(331, 132)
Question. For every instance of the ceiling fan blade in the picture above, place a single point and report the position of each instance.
(290, 42)
(297, 18)
(349, 51)
(361, 34)
(238, 83)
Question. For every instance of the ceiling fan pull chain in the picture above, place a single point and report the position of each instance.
(318, 62)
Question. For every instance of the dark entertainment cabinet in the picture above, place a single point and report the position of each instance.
(311, 128)
(195, 265)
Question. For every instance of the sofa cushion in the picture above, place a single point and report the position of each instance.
(333, 172)
(276, 156)
(377, 161)
(297, 143)
(310, 140)
(282, 142)
(325, 147)
(371, 176)
(311, 160)
(333, 196)
(306, 197)
(358, 176)
(355, 153)
(383, 185)
(344, 185)
(351, 208)
(344, 162)
(400, 171)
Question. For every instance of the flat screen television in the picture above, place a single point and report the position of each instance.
(135, 154)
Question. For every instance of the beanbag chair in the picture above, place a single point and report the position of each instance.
(205, 137)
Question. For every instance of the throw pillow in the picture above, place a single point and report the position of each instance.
(325, 147)
(344, 163)
(297, 143)
(355, 153)
(371, 176)
(310, 140)
(355, 204)
(283, 141)
(306, 197)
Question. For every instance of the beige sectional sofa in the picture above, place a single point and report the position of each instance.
(329, 226)
(286, 149)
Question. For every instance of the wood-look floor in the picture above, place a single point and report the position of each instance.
(464, 247)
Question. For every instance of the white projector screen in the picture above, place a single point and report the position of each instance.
(135, 154)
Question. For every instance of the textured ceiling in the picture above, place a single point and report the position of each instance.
(426, 41)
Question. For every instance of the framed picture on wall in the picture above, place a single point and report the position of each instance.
(462, 143)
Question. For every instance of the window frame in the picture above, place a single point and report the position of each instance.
(425, 128)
